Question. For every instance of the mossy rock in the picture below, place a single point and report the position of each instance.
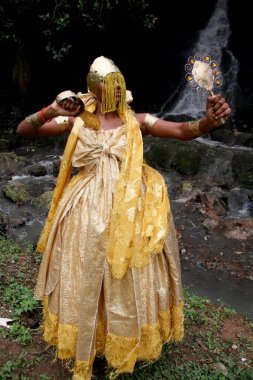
(160, 155)
(223, 135)
(188, 161)
(17, 193)
(242, 167)
(11, 162)
(37, 170)
(44, 200)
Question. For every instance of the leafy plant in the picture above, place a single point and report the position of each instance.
(20, 297)
(20, 333)
(56, 20)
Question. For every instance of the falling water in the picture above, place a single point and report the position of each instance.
(213, 40)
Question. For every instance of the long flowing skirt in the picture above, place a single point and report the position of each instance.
(86, 311)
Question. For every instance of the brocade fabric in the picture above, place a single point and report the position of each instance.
(86, 310)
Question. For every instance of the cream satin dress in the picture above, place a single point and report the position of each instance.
(87, 312)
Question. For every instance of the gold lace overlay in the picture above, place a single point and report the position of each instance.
(138, 222)
(120, 352)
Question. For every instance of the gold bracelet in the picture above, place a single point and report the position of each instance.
(34, 120)
(194, 127)
(150, 120)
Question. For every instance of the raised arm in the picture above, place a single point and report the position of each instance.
(53, 120)
(217, 112)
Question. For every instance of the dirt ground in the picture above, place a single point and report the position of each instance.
(36, 360)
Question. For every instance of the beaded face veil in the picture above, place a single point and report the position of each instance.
(104, 70)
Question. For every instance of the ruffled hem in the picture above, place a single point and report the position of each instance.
(120, 352)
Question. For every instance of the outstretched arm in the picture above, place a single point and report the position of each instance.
(46, 121)
(217, 111)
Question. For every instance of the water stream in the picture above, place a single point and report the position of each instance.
(219, 287)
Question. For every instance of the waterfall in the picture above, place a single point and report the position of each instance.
(212, 40)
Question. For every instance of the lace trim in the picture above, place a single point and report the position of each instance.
(120, 352)
(83, 369)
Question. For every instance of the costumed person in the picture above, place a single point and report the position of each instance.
(110, 275)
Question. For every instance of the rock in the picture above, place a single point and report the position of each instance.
(12, 163)
(7, 222)
(160, 154)
(242, 167)
(214, 202)
(37, 170)
(17, 192)
(219, 368)
(239, 230)
(223, 135)
(244, 139)
(44, 200)
(16, 222)
(3, 223)
(210, 224)
(4, 145)
(56, 167)
(186, 186)
(189, 161)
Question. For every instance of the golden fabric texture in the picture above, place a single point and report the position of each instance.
(158, 317)
(86, 309)
(138, 222)
(63, 178)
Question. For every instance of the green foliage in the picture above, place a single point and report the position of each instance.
(57, 21)
(20, 297)
(44, 377)
(15, 369)
(20, 333)
(13, 290)
(204, 354)
(187, 371)
(11, 253)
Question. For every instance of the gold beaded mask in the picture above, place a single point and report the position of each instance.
(104, 70)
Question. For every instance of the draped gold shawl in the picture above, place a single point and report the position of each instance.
(139, 217)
